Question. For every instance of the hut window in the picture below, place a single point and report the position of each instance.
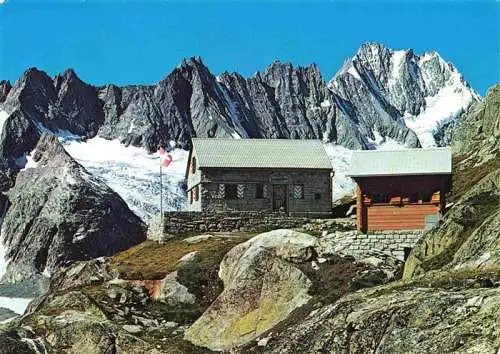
(414, 198)
(259, 191)
(191, 196)
(196, 194)
(193, 165)
(298, 191)
(426, 197)
(381, 199)
(231, 191)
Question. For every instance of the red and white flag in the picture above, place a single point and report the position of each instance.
(165, 157)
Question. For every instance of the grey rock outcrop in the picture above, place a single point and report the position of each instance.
(385, 320)
(468, 235)
(479, 131)
(64, 103)
(260, 289)
(58, 213)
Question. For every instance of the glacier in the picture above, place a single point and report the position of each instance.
(133, 173)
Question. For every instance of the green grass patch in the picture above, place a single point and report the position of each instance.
(151, 260)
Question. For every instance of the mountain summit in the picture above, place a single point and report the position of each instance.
(401, 96)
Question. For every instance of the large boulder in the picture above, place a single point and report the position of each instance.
(58, 213)
(262, 286)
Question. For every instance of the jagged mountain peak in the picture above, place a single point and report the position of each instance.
(379, 92)
(33, 75)
(68, 79)
(372, 48)
(190, 62)
(68, 75)
(287, 67)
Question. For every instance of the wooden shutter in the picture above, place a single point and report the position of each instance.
(222, 191)
(298, 191)
(240, 191)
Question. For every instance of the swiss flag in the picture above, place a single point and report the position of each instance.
(165, 157)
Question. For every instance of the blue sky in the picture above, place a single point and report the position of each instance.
(127, 42)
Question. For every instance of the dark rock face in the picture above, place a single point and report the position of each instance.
(479, 131)
(65, 103)
(5, 87)
(17, 341)
(19, 135)
(191, 102)
(58, 213)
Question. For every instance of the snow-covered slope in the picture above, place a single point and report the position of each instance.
(442, 104)
(3, 117)
(133, 173)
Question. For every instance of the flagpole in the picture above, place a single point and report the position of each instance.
(161, 206)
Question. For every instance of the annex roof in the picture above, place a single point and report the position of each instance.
(261, 153)
(400, 162)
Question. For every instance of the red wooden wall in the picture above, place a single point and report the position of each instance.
(399, 213)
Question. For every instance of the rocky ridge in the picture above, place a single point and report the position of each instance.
(365, 104)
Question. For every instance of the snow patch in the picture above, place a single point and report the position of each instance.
(46, 272)
(62, 135)
(233, 113)
(3, 118)
(397, 61)
(325, 104)
(448, 103)
(26, 161)
(354, 72)
(133, 173)
(15, 304)
(341, 161)
(67, 177)
(131, 128)
(384, 142)
(4, 261)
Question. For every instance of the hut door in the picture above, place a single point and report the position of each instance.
(279, 197)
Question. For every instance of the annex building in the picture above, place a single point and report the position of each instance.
(402, 189)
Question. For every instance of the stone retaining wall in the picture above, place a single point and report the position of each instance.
(187, 223)
(397, 243)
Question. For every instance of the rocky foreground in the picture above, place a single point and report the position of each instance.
(286, 291)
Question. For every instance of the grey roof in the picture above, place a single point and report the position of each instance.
(400, 162)
(261, 153)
